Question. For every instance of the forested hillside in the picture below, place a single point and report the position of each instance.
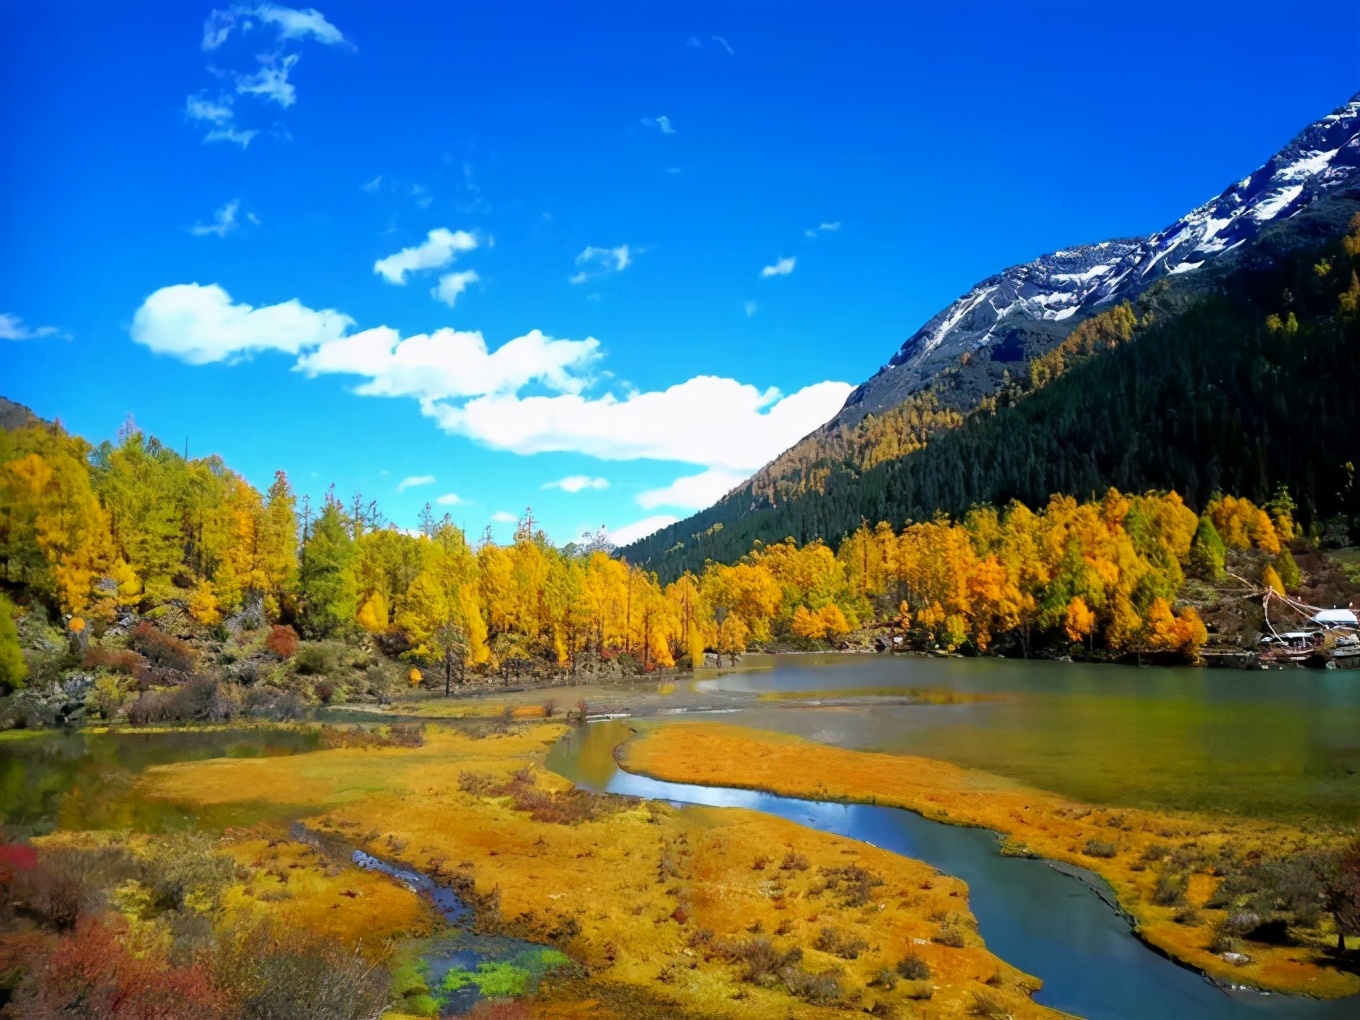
(1237, 378)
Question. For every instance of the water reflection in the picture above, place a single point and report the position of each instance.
(1278, 744)
(79, 781)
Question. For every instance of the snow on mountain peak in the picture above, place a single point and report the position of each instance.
(1083, 280)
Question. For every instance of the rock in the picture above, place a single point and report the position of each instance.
(1236, 959)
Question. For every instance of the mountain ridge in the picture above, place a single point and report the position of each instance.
(942, 374)
(1074, 283)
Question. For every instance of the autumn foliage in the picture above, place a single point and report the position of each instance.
(91, 972)
(134, 525)
(282, 641)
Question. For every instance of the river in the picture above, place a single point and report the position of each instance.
(1033, 916)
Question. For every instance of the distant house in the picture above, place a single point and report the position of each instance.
(1336, 618)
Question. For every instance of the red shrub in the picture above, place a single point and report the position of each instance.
(120, 660)
(163, 649)
(282, 641)
(89, 973)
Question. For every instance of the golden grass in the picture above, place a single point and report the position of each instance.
(297, 885)
(1033, 820)
(645, 896)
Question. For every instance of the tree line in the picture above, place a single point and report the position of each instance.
(99, 534)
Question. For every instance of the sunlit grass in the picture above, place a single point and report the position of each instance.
(1035, 821)
(639, 896)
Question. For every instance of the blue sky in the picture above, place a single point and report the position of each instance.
(601, 260)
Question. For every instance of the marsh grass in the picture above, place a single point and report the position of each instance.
(1177, 874)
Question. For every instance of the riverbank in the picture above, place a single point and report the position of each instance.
(669, 912)
(1165, 868)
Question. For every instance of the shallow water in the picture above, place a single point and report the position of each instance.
(1279, 744)
(74, 780)
(1031, 915)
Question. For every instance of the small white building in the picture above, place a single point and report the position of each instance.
(1335, 618)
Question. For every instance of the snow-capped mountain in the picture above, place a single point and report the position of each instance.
(1047, 296)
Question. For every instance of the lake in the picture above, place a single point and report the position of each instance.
(1281, 744)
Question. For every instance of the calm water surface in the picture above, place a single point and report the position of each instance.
(1040, 920)
(1284, 743)
(85, 780)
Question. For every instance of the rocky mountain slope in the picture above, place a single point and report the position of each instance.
(1034, 304)
(977, 353)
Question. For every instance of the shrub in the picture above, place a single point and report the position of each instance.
(199, 700)
(396, 735)
(324, 691)
(913, 968)
(91, 973)
(989, 1005)
(107, 697)
(184, 865)
(1170, 891)
(1099, 848)
(282, 641)
(163, 649)
(948, 935)
(272, 971)
(839, 943)
(315, 660)
(59, 890)
(549, 708)
(821, 988)
(272, 704)
(885, 979)
(855, 884)
(793, 862)
(761, 961)
(115, 660)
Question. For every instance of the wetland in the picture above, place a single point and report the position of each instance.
(796, 836)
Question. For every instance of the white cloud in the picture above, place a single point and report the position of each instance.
(726, 424)
(413, 481)
(504, 517)
(453, 284)
(374, 184)
(750, 308)
(630, 533)
(199, 107)
(781, 268)
(12, 328)
(716, 423)
(230, 134)
(441, 246)
(288, 23)
(449, 499)
(692, 492)
(662, 124)
(201, 324)
(453, 363)
(673, 170)
(822, 228)
(271, 80)
(217, 112)
(724, 44)
(294, 24)
(596, 262)
(224, 221)
(576, 483)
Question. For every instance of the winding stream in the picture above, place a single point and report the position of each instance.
(1032, 915)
